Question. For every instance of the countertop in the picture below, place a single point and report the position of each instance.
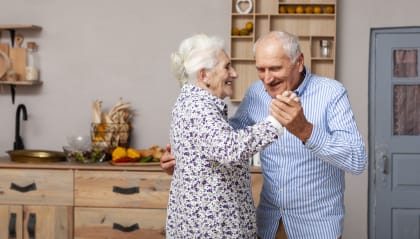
(5, 162)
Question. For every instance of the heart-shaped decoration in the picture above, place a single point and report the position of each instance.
(243, 6)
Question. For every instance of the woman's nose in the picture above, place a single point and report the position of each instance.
(233, 73)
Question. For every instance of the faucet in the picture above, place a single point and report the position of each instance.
(18, 144)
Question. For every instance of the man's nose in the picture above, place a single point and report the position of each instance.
(268, 76)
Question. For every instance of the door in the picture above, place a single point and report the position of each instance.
(394, 133)
(36, 222)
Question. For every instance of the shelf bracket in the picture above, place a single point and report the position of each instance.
(12, 36)
(13, 92)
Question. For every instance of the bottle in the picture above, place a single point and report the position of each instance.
(31, 70)
(325, 48)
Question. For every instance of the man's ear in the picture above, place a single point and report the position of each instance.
(300, 61)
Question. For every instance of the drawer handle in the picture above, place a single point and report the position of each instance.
(122, 228)
(31, 225)
(121, 190)
(12, 226)
(24, 189)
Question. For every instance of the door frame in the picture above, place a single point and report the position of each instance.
(372, 163)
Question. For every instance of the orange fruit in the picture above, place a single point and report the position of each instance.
(291, 9)
(317, 10)
(243, 32)
(299, 9)
(329, 9)
(235, 31)
(282, 9)
(309, 9)
(249, 26)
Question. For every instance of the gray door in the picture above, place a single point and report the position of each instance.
(394, 133)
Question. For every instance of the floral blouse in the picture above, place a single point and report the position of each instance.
(210, 195)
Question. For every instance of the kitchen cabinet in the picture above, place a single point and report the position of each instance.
(73, 200)
(313, 21)
(36, 203)
(120, 203)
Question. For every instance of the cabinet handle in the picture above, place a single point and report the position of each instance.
(122, 228)
(24, 189)
(12, 226)
(31, 225)
(121, 190)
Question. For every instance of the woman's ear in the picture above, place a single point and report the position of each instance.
(202, 74)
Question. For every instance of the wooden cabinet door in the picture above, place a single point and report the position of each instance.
(47, 222)
(11, 220)
(117, 223)
(30, 222)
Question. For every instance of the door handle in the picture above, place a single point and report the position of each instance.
(120, 190)
(384, 161)
(31, 225)
(122, 228)
(23, 189)
(12, 226)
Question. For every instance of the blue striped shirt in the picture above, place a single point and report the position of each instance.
(304, 184)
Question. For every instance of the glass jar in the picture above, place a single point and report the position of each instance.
(325, 48)
(32, 70)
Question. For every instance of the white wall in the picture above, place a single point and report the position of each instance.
(104, 49)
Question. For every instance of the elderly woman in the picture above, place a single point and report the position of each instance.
(210, 195)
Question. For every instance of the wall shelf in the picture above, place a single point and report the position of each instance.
(12, 29)
(269, 15)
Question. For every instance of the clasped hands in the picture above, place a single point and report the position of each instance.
(287, 109)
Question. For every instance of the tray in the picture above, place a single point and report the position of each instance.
(36, 156)
(134, 164)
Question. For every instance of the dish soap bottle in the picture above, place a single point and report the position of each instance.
(31, 70)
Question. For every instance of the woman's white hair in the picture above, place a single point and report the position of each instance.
(195, 53)
(289, 42)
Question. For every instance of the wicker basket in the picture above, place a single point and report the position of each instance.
(110, 136)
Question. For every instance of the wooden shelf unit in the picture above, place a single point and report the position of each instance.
(311, 28)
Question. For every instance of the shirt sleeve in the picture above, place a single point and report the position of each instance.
(222, 143)
(341, 144)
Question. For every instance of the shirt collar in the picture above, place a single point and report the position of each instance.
(301, 88)
(201, 93)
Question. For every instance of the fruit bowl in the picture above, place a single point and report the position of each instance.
(91, 155)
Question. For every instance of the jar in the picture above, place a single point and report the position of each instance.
(31, 70)
(325, 48)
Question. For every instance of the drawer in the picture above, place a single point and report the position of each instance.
(36, 187)
(122, 189)
(92, 223)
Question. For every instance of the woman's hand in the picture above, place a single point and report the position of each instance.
(167, 161)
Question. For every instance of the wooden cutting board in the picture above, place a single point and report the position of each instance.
(18, 57)
(4, 47)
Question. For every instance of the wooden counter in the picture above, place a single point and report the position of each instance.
(74, 200)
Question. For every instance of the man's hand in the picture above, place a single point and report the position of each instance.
(167, 161)
(289, 112)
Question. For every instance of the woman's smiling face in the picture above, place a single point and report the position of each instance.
(220, 78)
